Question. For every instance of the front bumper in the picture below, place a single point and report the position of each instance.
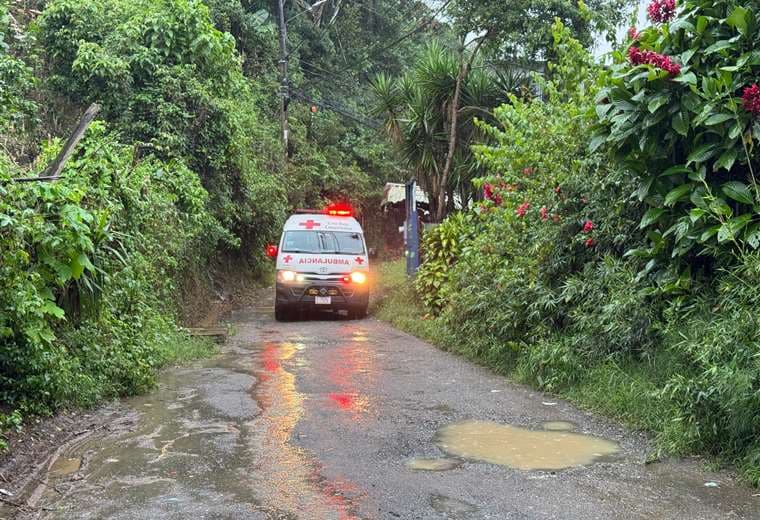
(303, 295)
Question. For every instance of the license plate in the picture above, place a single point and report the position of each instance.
(322, 300)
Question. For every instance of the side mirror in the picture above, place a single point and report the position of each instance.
(372, 252)
(272, 251)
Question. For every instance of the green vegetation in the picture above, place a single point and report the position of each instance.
(181, 172)
(612, 256)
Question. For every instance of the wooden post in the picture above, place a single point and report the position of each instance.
(54, 169)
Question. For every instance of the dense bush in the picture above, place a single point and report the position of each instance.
(681, 109)
(173, 83)
(567, 276)
(90, 264)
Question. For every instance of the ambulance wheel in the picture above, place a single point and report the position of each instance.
(282, 313)
(358, 313)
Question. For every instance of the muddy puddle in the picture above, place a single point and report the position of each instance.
(65, 466)
(521, 448)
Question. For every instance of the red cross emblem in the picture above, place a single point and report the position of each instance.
(359, 260)
(310, 224)
(287, 259)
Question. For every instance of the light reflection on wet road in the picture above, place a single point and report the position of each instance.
(337, 419)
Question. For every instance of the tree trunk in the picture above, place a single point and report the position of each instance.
(464, 71)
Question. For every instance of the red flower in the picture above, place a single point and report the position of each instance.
(588, 226)
(487, 191)
(633, 34)
(638, 57)
(528, 171)
(751, 99)
(589, 242)
(543, 213)
(661, 10)
(522, 209)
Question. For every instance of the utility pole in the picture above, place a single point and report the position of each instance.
(284, 87)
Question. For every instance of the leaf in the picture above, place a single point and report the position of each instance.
(738, 19)
(709, 233)
(656, 102)
(702, 24)
(674, 170)
(702, 153)
(738, 191)
(699, 175)
(52, 309)
(650, 217)
(753, 236)
(596, 142)
(736, 130)
(77, 268)
(677, 193)
(717, 46)
(696, 214)
(717, 119)
(726, 160)
(689, 78)
(686, 56)
(679, 124)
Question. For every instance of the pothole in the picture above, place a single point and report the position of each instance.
(521, 448)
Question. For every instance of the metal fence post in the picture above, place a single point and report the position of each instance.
(412, 232)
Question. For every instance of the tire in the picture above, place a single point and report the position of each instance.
(358, 313)
(282, 313)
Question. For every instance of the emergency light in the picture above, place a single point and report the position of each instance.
(271, 251)
(339, 210)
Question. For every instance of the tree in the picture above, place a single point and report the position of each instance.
(423, 108)
(521, 29)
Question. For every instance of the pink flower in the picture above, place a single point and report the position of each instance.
(487, 191)
(633, 34)
(522, 209)
(589, 242)
(543, 213)
(661, 10)
(751, 99)
(528, 171)
(638, 57)
(588, 226)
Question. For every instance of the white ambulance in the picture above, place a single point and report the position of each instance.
(322, 263)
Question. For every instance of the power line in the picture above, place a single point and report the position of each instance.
(395, 42)
(338, 108)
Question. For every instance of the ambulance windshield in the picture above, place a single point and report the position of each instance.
(329, 242)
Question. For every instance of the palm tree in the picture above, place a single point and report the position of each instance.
(418, 115)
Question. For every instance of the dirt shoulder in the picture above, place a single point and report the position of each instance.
(36, 448)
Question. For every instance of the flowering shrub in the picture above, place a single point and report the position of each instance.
(522, 209)
(661, 11)
(751, 100)
(638, 57)
(689, 132)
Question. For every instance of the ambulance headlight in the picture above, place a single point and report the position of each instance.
(287, 276)
(358, 277)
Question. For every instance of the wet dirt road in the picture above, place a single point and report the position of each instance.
(338, 419)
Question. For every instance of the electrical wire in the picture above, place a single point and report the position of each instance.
(408, 34)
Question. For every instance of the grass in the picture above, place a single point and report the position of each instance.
(184, 348)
